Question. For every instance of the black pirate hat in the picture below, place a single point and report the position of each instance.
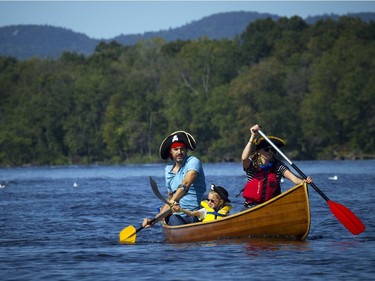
(223, 193)
(178, 136)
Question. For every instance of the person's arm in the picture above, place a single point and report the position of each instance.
(201, 213)
(249, 148)
(164, 208)
(174, 198)
(188, 212)
(183, 188)
(296, 180)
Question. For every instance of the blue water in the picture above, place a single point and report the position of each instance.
(51, 230)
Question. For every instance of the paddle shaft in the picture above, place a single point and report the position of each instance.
(158, 218)
(293, 165)
(155, 219)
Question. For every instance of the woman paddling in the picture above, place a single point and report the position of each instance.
(263, 171)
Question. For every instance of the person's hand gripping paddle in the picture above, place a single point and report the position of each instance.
(129, 234)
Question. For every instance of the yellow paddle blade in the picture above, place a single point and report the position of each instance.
(128, 235)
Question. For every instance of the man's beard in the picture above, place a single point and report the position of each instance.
(179, 158)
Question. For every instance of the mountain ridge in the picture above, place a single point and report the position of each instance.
(46, 41)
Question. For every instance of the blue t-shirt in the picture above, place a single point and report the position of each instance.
(191, 201)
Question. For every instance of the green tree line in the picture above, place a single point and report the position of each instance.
(313, 85)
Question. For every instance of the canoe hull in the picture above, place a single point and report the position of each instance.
(287, 215)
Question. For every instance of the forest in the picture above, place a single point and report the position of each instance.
(312, 85)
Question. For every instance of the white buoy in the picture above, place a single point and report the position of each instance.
(75, 184)
(334, 178)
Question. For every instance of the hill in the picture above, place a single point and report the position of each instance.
(44, 41)
(26, 41)
(217, 26)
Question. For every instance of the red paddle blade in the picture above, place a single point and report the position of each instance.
(347, 218)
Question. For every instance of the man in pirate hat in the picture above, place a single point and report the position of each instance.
(184, 177)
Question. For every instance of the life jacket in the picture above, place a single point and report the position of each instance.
(212, 214)
(262, 187)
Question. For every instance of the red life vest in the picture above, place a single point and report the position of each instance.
(262, 187)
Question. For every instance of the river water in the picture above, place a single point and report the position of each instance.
(62, 223)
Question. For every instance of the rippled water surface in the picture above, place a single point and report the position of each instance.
(53, 230)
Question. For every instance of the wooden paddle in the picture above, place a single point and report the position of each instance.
(343, 214)
(128, 234)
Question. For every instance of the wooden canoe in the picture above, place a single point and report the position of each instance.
(285, 216)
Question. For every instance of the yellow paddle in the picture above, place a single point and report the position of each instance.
(129, 234)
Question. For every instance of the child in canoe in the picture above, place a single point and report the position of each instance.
(215, 207)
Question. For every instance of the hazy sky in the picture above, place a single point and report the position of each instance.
(107, 19)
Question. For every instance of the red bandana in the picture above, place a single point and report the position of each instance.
(177, 144)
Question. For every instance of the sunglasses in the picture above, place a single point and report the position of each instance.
(269, 148)
(211, 200)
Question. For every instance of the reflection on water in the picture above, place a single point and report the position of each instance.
(254, 246)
